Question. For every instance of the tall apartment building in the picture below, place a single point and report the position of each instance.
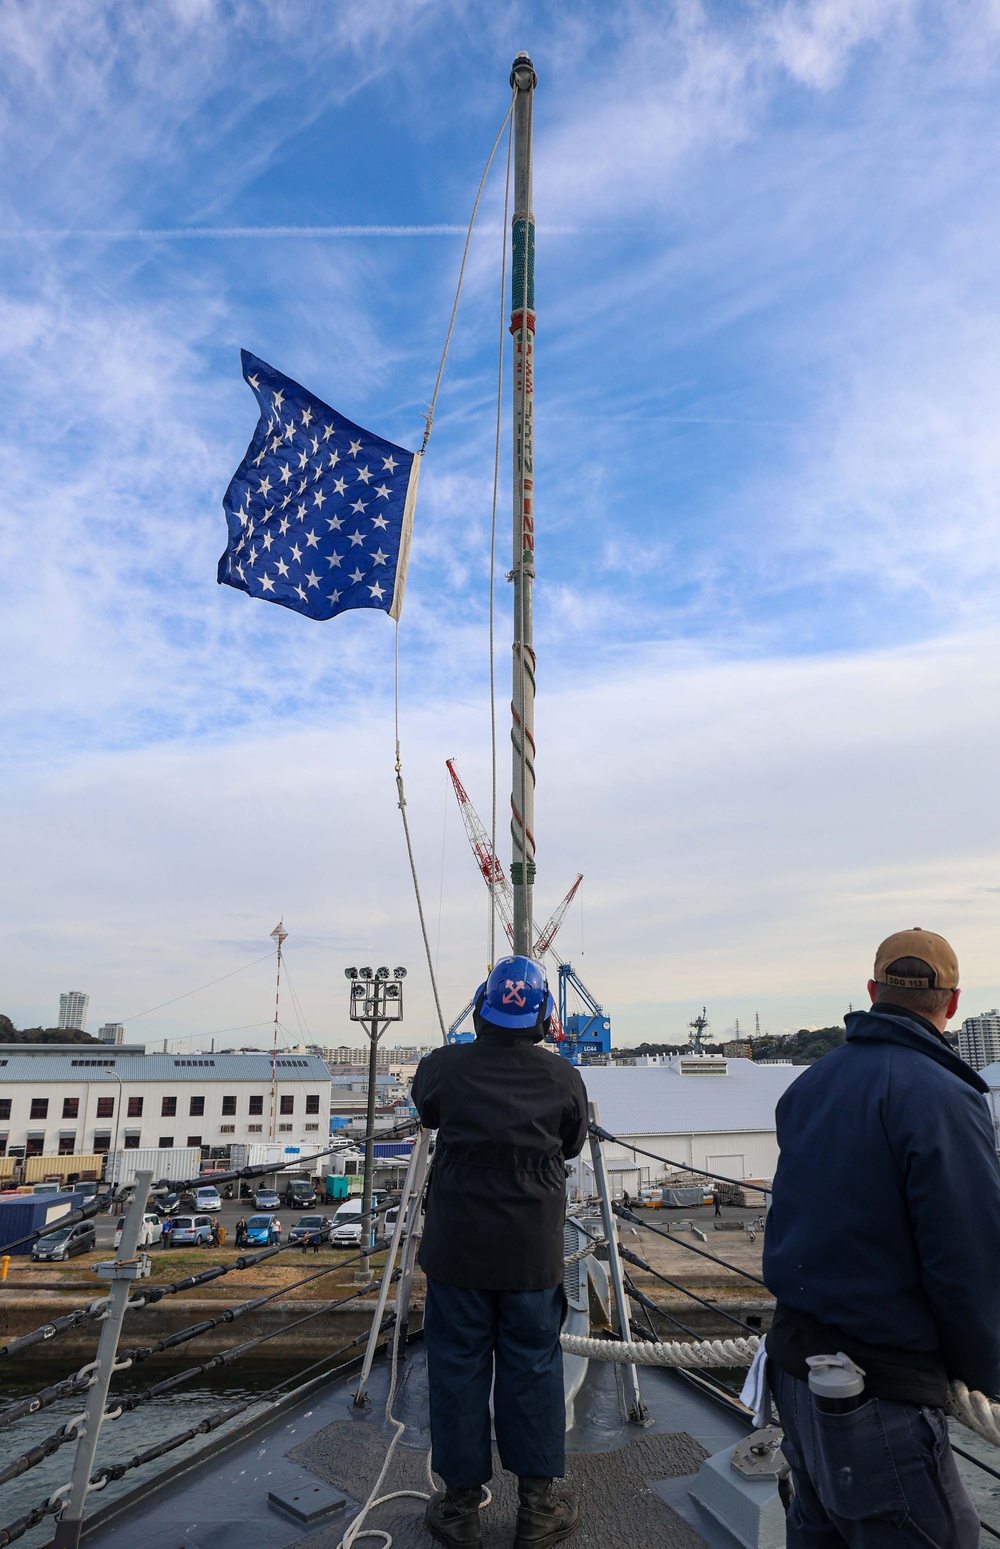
(979, 1039)
(112, 1032)
(73, 1009)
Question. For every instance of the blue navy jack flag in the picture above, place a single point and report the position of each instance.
(320, 512)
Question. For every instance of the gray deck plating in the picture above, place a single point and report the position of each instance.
(222, 1503)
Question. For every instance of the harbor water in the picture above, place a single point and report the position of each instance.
(153, 1422)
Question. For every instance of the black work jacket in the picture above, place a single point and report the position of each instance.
(508, 1115)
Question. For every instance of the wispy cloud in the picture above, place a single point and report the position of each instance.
(768, 328)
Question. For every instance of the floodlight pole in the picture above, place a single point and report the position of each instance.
(373, 1030)
(522, 325)
(375, 1000)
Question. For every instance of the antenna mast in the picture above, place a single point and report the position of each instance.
(280, 935)
(698, 1027)
(523, 80)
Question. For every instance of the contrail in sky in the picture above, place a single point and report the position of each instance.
(186, 233)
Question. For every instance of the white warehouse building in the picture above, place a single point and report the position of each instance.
(697, 1110)
(81, 1099)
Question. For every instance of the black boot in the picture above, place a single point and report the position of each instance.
(452, 1517)
(549, 1512)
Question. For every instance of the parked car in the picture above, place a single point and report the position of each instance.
(151, 1231)
(262, 1231)
(191, 1229)
(168, 1204)
(311, 1226)
(207, 1198)
(266, 1199)
(300, 1194)
(81, 1238)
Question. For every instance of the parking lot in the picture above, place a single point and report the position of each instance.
(228, 1216)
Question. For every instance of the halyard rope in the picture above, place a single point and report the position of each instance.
(429, 416)
(357, 1529)
(428, 423)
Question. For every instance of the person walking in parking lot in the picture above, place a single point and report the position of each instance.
(508, 1116)
(241, 1231)
(881, 1248)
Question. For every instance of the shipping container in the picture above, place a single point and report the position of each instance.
(336, 1186)
(392, 1148)
(178, 1163)
(259, 1153)
(21, 1214)
(37, 1168)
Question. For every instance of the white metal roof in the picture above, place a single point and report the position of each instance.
(991, 1075)
(94, 1063)
(658, 1100)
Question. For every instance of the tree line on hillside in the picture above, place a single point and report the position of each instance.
(805, 1047)
(11, 1034)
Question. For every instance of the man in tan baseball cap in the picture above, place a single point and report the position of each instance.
(882, 1246)
(917, 969)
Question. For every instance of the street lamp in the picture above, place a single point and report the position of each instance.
(376, 1000)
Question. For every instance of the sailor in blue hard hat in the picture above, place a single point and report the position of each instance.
(515, 994)
(509, 1115)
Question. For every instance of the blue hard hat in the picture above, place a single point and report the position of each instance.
(516, 993)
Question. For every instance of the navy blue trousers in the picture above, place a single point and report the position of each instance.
(878, 1477)
(508, 1340)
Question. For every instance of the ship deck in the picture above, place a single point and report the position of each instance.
(320, 1449)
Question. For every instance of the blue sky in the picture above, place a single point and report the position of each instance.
(768, 457)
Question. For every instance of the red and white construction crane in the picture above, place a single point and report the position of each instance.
(493, 874)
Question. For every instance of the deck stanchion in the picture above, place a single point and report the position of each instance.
(405, 1229)
(120, 1272)
(637, 1409)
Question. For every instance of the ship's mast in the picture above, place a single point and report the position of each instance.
(522, 325)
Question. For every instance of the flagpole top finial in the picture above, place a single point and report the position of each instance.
(522, 74)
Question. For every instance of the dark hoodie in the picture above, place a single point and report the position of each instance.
(508, 1114)
(883, 1238)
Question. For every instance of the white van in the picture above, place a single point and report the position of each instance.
(346, 1231)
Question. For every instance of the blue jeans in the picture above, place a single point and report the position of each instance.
(508, 1340)
(878, 1477)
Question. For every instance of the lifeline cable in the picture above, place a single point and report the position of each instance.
(103, 1203)
(108, 1471)
(628, 1215)
(686, 1167)
(156, 1294)
(131, 1401)
(81, 1379)
(633, 1258)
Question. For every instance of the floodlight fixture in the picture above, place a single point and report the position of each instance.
(350, 973)
(399, 973)
(381, 973)
(365, 973)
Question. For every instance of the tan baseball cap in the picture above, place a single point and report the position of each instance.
(930, 948)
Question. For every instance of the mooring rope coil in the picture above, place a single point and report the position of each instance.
(972, 1409)
(701, 1352)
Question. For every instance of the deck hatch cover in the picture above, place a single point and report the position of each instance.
(305, 1500)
